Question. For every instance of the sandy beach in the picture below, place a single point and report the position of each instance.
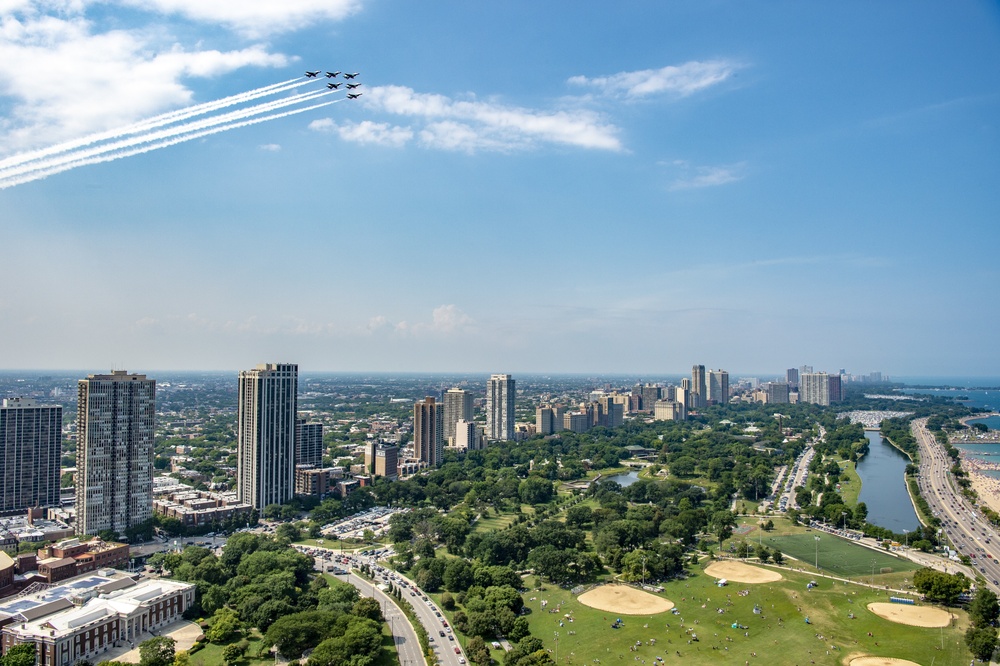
(987, 487)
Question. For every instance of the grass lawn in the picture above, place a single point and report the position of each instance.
(837, 556)
(211, 654)
(494, 522)
(849, 490)
(778, 636)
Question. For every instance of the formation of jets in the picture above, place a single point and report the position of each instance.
(336, 86)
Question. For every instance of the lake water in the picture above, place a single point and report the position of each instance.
(883, 486)
(983, 399)
(623, 480)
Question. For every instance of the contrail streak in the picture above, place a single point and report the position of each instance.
(161, 120)
(148, 137)
(99, 159)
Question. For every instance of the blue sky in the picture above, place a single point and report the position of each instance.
(545, 187)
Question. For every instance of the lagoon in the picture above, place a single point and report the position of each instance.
(883, 486)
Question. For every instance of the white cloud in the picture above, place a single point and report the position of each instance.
(367, 132)
(707, 176)
(65, 79)
(682, 80)
(253, 17)
(271, 147)
(447, 318)
(470, 125)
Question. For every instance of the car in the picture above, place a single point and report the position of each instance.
(451, 637)
(457, 651)
(461, 660)
(441, 634)
(438, 613)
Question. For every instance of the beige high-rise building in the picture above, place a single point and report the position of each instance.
(467, 436)
(545, 420)
(669, 410)
(265, 432)
(114, 451)
(457, 407)
(428, 431)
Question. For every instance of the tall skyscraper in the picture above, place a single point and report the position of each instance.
(792, 377)
(308, 443)
(265, 434)
(718, 386)
(457, 407)
(30, 443)
(114, 451)
(776, 393)
(836, 388)
(428, 431)
(500, 393)
(650, 394)
(699, 387)
(814, 387)
(545, 420)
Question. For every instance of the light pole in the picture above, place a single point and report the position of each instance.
(844, 515)
(557, 645)
(816, 538)
(873, 572)
(643, 580)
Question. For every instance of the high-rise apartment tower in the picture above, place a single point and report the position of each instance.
(114, 451)
(457, 407)
(30, 439)
(266, 421)
(500, 393)
(699, 386)
(428, 431)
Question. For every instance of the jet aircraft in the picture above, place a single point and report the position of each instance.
(312, 75)
(351, 76)
(334, 86)
(352, 86)
(332, 75)
(354, 95)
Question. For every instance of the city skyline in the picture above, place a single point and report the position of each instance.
(728, 177)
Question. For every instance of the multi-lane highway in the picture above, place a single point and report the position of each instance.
(965, 527)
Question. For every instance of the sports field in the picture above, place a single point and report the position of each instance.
(577, 635)
(837, 556)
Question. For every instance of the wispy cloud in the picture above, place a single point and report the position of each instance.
(105, 79)
(471, 125)
(270, 147)
(366, 132)
(694, 177)
(253, 17)
(681, 80)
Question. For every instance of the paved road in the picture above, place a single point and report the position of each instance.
(448, 650)
(403, 634)
(965, 527)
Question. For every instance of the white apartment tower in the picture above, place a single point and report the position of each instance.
(814, 387)
(30, 446)
(500, 393)
(265, 431)
(114, 451)
(457, 407)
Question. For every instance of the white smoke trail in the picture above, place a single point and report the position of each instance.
(99, 159)
(151, 123)
(147, 137)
